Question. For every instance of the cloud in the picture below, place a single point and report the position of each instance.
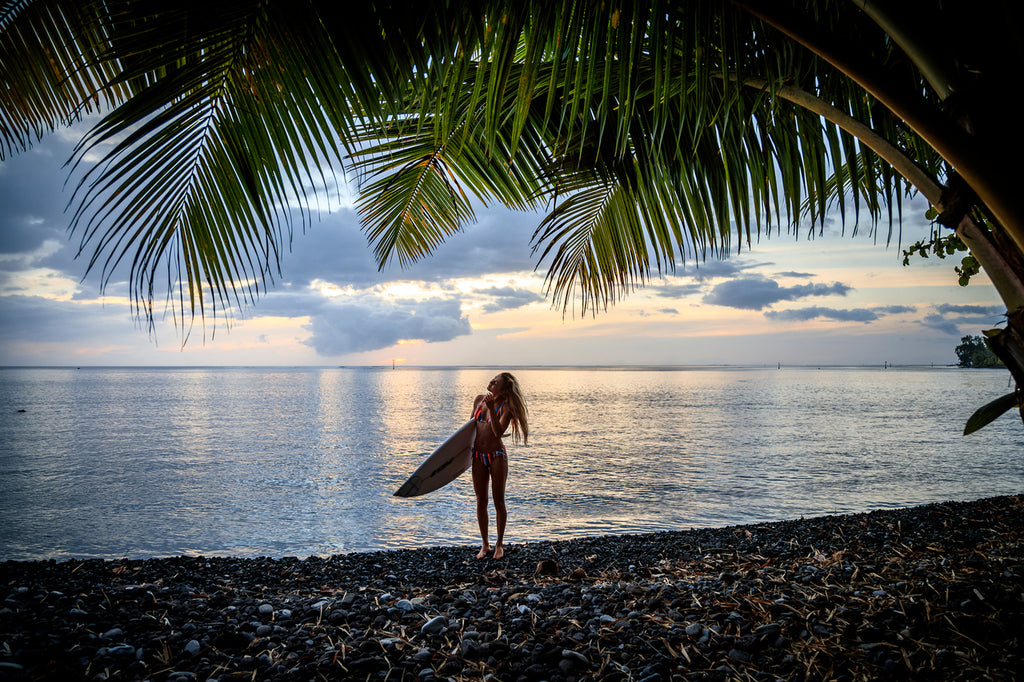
(499, 241)
(508, 298)
(27, 236)
(974, 310)
(756, 293)
(797, 275)
(896, 309)
(718, 269)
(335, 250)
(865, 315)
(34, 319)
(949, 318)
(805, 314)
(361, 326)
(37, 259)
(677, 290)
(941, 324)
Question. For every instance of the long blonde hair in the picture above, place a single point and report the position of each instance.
(516, 406)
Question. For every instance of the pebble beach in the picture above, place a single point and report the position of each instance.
(929, 592)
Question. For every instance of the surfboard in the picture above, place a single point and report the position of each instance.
(444, 465)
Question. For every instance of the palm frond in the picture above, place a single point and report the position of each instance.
(221, 117)
(50, 70)
(420, 176)
(416, 204)
(226, 132)
(657, 116)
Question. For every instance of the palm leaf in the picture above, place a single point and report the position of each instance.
(50, 69)
(417, 190)
(229, 130)
(220, 117)
(989, 412)
(681, 155)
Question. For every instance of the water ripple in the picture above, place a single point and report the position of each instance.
(157, 462)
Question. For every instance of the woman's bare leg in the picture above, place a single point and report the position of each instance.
(499, 476)
(480, 476)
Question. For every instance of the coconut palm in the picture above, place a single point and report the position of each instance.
(650, 133)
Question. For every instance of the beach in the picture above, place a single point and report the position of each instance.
(928, 592)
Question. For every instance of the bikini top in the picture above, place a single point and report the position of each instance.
(480, 412)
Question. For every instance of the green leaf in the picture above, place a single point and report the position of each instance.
(656, 132)
(990, 412)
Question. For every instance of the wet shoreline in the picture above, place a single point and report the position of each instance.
(929, 592)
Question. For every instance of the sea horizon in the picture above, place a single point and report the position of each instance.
(634, 366)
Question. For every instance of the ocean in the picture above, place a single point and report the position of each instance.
(155, 462)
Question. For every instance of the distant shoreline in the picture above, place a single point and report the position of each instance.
(511, 367)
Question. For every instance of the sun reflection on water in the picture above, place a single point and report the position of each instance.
(122, 462)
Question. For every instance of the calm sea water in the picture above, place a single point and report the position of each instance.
(148, 462)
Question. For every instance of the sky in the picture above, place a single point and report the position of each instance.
(834, 299)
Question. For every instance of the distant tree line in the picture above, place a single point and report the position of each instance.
(974, 352)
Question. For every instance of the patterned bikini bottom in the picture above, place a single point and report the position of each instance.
(488, 457)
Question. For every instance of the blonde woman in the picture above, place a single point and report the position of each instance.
(495, 412)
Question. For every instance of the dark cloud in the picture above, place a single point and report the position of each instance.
(31, 318)
(287, 301)
(717, 269)
(333, 250)
(499, 241)
(508, 298)
(336, 251)
(976, 310)
(678, 290)
(896, 309)
(34, 319)
(841, 314)
(941, 324)
(797, 275)
(755, 293)
(33, 198)
(25, 234)
(805, 314)
(659, 311)
(949, 318)
(329, 249)
(362, 326)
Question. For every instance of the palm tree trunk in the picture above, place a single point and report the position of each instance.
(1006, 277)
(1001, 261)
(1008, 345)
(956, 145)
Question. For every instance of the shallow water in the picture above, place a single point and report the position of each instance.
(146, 462)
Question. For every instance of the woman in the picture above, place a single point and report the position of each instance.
(502, 406)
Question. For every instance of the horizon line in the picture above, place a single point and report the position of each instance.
(636, 366)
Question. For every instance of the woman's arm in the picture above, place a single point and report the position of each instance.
(500, 425)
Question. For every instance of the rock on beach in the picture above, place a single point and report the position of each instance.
(929, 592)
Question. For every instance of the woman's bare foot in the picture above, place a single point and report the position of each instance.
(484, 552)
(499, 551)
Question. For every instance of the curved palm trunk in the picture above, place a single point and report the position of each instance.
(1001, 261)
(957, 146)
(1007, 344)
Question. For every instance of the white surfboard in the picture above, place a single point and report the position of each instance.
(444, 465)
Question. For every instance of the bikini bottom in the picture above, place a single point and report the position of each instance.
(488, 457)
